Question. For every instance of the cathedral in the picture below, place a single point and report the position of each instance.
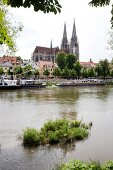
(49, 54)
(73, 46)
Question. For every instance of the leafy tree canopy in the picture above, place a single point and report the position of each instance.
(8, 31)
(42, 5)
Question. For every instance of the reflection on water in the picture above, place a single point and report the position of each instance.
(31, 108)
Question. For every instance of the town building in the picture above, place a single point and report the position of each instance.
(88, 64)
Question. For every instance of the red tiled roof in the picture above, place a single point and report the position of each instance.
(13, 60)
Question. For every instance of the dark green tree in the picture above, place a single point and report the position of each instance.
(91, 72)
(28, 71)
(73, 73)
(84, 73)
(18, 70)
(70, 60)
(78, 68)
(46, 72)
(42, 5)
(105, 69)
(65, 72)
(57, 72)
(8, 32)
(61, 60)
(1, 71)
(36, 73)
(111, 73)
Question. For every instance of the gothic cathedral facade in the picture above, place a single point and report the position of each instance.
(73, 46)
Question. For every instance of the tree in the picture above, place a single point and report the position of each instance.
(36, 73)
(73, 73)
(66, 72)
(1, 71)
(18, 70)
(46, 72)
(78, 68)
(84, 72)
(8, 31)
(43, 5)
(91, 72)
(61, 60)
(28, 71)
(57, 72)
(70, 60)
(105, 69)
(111, 73)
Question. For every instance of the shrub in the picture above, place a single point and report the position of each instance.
(52, 132)
(108, 166)
(31, 137)
(80, 165)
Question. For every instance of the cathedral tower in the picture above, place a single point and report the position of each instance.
(74, 45)
(64, 44)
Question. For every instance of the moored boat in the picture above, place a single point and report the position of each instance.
(6, 84)
(82, 82)
(31, 84)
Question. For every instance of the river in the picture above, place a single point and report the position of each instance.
(31, 108)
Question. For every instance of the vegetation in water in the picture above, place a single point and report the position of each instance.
(80, 165)
(57, 131)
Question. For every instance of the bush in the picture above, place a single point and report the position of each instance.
(52, 132)
(80, 165)
(31, 137)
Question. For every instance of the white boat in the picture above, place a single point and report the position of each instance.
(25, 83)
(6, 83)
(82, 82)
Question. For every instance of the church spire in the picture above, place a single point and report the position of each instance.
(64, 44)
(74, 29)
(74, 45)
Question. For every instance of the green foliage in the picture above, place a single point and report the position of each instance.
(70, 60)
(65, 72)
(91, 72)
(45, 6)
(78, 68)
(57, 72)
(52, 132)
(8, 31)
(61, 60)
(104, 66)
(1, 71)
(73, 73)
(36, 73)
(18, 70)
(46, 72)
(28, 71)
(80, 165)
(31, 137)
(108, 166)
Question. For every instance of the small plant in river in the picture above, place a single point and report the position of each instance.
(57, 131)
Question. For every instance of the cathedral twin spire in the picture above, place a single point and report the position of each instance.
(73, 47)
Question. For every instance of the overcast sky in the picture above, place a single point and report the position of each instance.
(92, 27)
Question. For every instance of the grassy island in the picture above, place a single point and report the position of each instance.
(57, 131)
(80, 165)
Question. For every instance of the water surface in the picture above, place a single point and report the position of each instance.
(31, 108)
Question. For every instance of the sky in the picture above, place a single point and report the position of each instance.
(92, 28)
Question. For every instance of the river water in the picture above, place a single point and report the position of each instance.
(31, 108)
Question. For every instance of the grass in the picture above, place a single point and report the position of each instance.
(57, 131)
(80, 165)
